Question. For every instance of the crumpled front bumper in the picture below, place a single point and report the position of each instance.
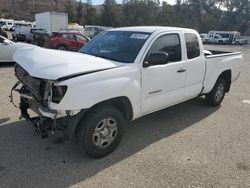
(28, 103)
(48, 120)
(35, 94)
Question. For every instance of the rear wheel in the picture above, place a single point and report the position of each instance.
(216, 96)
(101, 131)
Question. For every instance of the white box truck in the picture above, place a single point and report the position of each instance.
(52, 21)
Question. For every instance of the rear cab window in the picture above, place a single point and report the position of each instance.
(192, 45)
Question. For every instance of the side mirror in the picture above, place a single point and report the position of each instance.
(160, 58)
(6, 42)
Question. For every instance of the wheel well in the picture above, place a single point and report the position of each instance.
(123, 104)
(226, 75)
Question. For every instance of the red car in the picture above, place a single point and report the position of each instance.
(66, 41)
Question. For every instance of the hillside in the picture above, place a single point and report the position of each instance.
(26, 9)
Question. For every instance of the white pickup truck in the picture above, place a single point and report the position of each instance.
(119, 76)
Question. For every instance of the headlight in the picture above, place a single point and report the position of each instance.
(58, 93)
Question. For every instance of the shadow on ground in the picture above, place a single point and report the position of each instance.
(6, 64)
(28, 161)
(3, 120)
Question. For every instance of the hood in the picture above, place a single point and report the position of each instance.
(55, 64)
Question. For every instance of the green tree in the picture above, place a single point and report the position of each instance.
(80, 13)
(112, 14)
(237, 16)
(165, 16)
(69, 8)
(141, 12)
(91, 16)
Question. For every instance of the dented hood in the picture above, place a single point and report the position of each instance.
(55, 64)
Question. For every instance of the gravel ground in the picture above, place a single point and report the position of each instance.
(187, 145)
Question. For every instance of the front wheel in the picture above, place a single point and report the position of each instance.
(101, 131)
(216, 96)
(62, 47)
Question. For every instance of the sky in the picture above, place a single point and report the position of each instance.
(99, 2)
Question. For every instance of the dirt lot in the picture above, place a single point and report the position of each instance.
(188, 145)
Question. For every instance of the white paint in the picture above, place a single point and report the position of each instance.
(148, 89)
(246, 101)
(8, 48)
(139, 36)
(53, 64)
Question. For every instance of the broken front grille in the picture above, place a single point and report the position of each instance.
(35, 85)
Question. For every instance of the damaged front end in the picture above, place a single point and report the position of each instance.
(36, 94)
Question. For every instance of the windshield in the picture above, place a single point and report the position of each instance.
(122, 46)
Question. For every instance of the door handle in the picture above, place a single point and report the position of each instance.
(181, 70)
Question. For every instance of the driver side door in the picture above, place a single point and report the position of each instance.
(164, 85)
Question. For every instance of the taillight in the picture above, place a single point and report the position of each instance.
(58, 93)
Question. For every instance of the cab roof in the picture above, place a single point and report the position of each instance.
(151, 29)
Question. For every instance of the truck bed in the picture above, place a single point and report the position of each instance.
(216, 53)
(218, 62)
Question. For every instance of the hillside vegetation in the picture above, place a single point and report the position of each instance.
(202, 15)
(26, 9)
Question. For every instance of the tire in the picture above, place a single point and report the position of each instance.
(62, 47)
(237, 43)
(216, 96)
(100, 131)
(220, 42)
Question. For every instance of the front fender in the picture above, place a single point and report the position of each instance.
(86, 91)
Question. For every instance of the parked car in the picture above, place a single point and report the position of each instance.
(204, 38)
(217, 39)
(7, 49)
(9, 25)
(36, 36)
(20, 30)
(3, 33)
(66, 41)
(119, 76)
(226, 37)
(91, 31)
(238, 40)
(2, 23)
